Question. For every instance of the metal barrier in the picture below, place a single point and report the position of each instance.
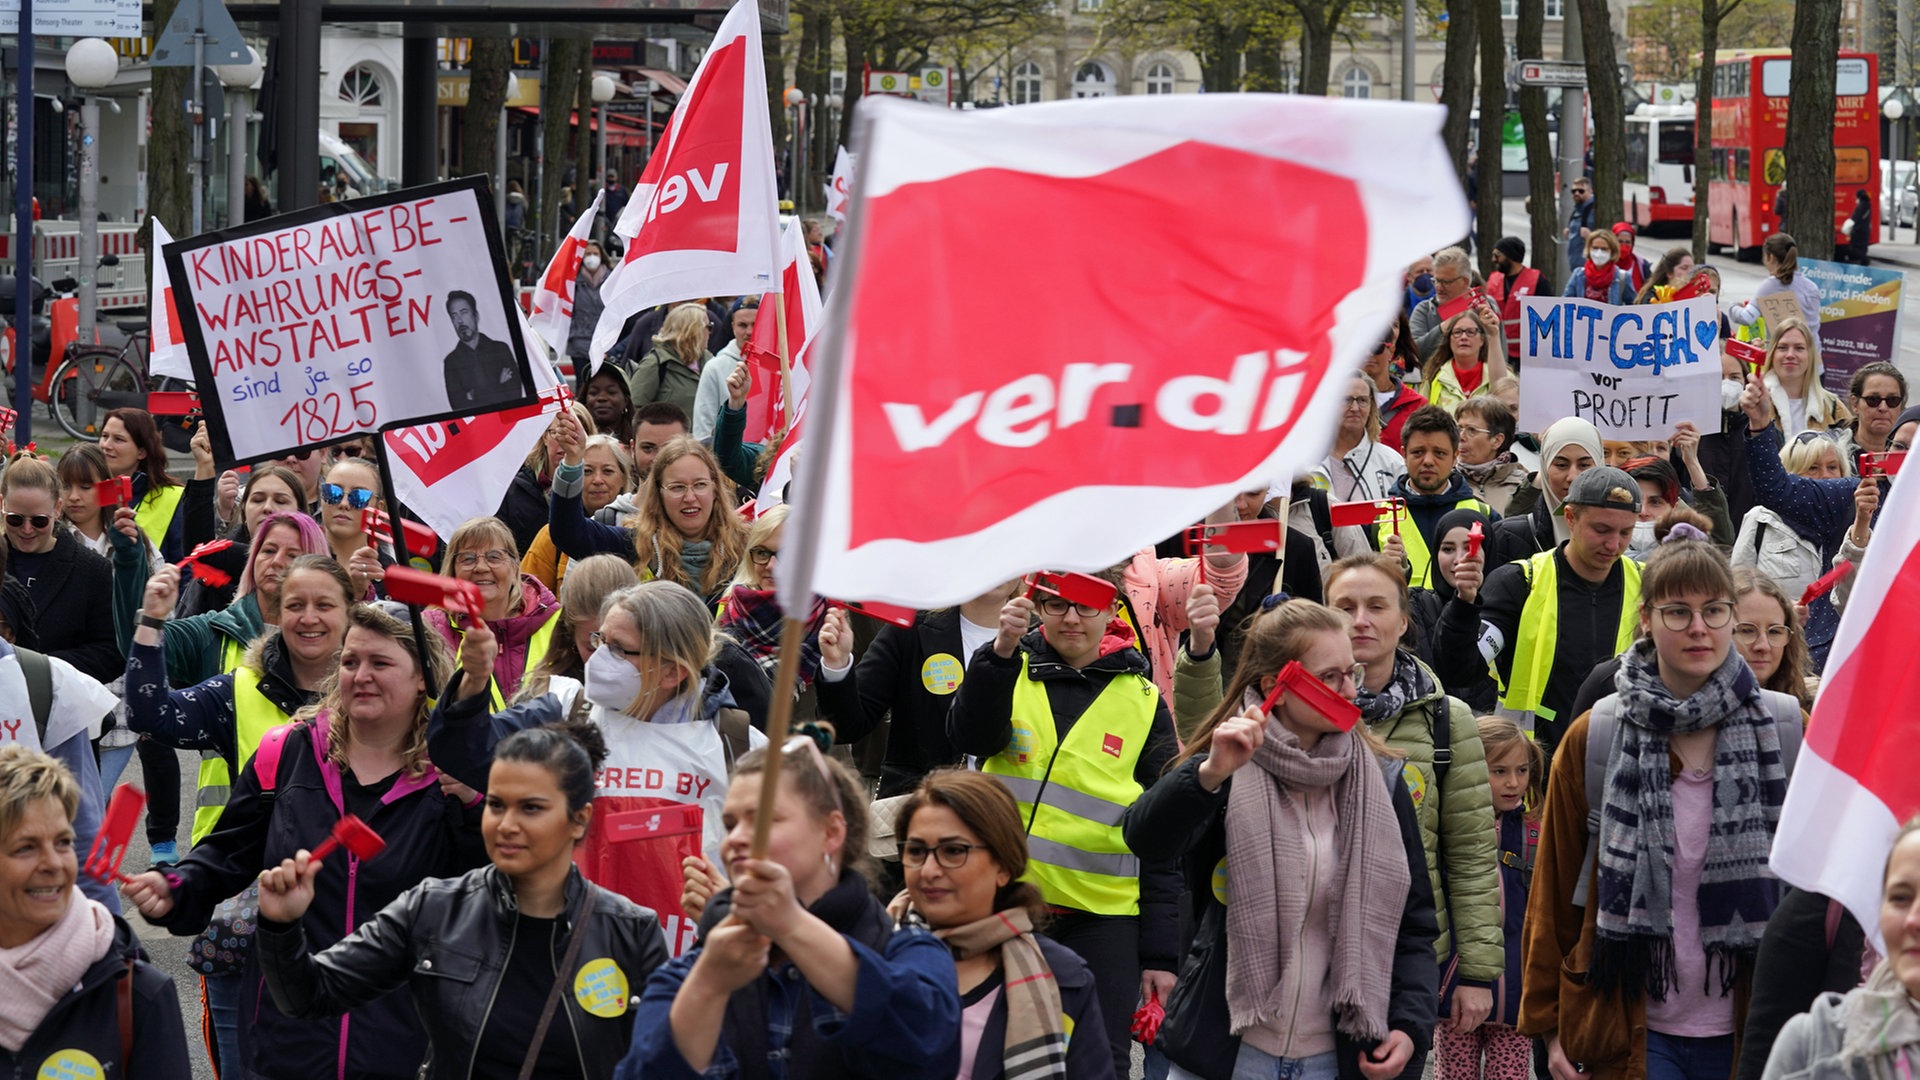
(56, 254)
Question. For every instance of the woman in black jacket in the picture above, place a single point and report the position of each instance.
(1296, 833)
(71, 587)
(481, 953)
(1429, 605)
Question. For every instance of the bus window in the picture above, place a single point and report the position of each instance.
(1637, 152)
(1676, 143)
(1850, 78)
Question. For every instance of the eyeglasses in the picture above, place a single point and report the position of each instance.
(1448, 280)
(1880, 401)
(1678, 617)
(1359, 402)
(951, 854)
(762, 556)
(1357, 673)
(1466, 331)
(1469, 429)
(38, 521)
(679, 491)
(599, 641)
(1806, 437)
(357, 498)
(1058, 606)
(1747, 633)
(467, 560)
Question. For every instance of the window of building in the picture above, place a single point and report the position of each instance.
(1356, 83)
(361, 87)
(1092, 79)
(1089, 5)
(1556, 9)
(1160, 79)
(1026, 83)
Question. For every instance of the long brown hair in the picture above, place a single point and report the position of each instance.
(1795, 661)
(985, 806)
(654, 536)
(1443, 352)
(146, 435)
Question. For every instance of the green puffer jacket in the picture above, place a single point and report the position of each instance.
(1459, 824)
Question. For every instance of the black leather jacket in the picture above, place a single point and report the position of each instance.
(447, 940)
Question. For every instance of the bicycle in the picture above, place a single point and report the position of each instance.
(92, 380)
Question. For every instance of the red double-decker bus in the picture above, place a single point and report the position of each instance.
(1750, 132)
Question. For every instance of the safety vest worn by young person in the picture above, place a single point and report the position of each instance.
(155, 513)
(1539, 634)
(1072, 791)
(1419, 556)
(253, 716)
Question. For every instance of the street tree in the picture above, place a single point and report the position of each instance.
(1607, 103)
(1456, 83)
(559, 97)
(1493, 115)
(169, 191)
(1713, 13)
(1529, 33)
(488, 66)
(1809, 144)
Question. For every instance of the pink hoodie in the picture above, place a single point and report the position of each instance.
(1158, 589)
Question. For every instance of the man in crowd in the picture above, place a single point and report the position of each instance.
(1579, 223)
(1452, 294)
(1511, 282)
(1431, 487)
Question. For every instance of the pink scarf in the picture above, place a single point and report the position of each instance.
(35, 976)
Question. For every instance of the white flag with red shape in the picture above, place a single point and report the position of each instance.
(1167, 307)
(839, 190)
(800, 299)
(168, 355)
(451, 470)
(1854, 782)
(704, 218)
(553, 298)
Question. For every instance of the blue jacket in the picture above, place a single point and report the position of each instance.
(1620, 293)
(201, 716)
(1820, 511)
(1519, 838)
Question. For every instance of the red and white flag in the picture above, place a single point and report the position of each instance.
(451, 470)
(1191, 280)
(840, 189)
(1854, 781)
(553, 297)
(800, 299)
(169, 350)
(704, 218)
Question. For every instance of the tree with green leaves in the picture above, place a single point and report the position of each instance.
(1712, 14)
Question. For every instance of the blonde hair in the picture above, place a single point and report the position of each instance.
(620, 456)
(585, 589)
(685, 330)
(537, 459)
(675, 626)
(331, 700)
(759, 531)
(30, 472)
(26, 777)
(477, 533)
(656, 540)
(1499, 735)
(1804, 451)
(1811, 379)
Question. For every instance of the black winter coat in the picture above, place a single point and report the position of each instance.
(1795, 966)
(1087, 1059)
(524, 508)
(447, 942)
(73, 608)
(87, 1021)
(893, 677)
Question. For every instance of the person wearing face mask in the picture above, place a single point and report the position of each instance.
(1534, 523)
(1511, 282)
(1630, 260)
(1600, 279)
(712, 392)
(671, 725)
(587, 304)
(1419, 281)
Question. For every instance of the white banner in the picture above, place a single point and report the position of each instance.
(168, 353)
(350, 318)
(1633, 372)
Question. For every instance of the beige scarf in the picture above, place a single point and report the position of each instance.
(35, 976)
(1269, 895)
(1036, 1043)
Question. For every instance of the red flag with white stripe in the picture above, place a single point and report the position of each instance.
(1854, 782)
(169, 350)
(840, 188)
(552, 314)
(800, 296)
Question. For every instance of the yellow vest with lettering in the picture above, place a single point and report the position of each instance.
(1539, 631)
(1072, 792)
(1419, 556)
(155, 513)
(253, 716)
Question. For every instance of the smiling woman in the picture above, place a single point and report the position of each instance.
(519, 609)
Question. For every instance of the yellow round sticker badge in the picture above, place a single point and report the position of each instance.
(71, 1065)
(941, 674)
(601, 988)
(1416, 783)
(1220, 881)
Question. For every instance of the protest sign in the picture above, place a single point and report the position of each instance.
(1859, 317)
(1633, 372)
(350, 318)
(1778, 307)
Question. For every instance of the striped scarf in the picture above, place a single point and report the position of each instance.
(1036, 1043)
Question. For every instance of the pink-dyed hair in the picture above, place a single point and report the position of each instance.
(312, 542)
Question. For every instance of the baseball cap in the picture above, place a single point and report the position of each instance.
(1605, 486)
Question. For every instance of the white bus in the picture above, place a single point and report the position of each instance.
(1660, 166)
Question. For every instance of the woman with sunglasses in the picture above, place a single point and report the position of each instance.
(359, 750)
(131, 443)
(1386, 368)
(798, 960)
(350, 486)
(1022, 994)
(71, 587)
(1068, 718)
(519, 611)
(1308, 826)
(1470, 358)
(1359, 466)
(672, 732)
(1641, 959)
(1876, 395)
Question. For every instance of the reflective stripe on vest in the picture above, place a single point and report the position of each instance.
(536, 651)
(253, 716)
(154, 515)
(1419, 557)
(1073, 791)
(1539, 631)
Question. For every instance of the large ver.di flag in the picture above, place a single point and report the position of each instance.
(1161, 312)
(350, 318)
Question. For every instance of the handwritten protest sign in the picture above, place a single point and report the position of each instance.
(350, 318)
(1633, 372)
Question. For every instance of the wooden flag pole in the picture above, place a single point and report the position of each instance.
(792, 633)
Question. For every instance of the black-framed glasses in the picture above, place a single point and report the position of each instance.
(599, 640)
(357, 498)
(761, 556)
(951, 854)
(1778, 634)
(38, 521)
(1677, 617)
(1359, 402)
(1881, 401)
(1058, 606)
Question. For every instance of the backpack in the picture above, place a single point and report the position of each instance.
(1601, 723)
(39, 675)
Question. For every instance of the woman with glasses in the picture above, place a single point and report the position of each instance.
(1022, 994)
(1360, 467)
(1875, 396)
(1468, 360)
(688, 529)
(349, 487)
(269, 489)
(751, 613)
(1387, 368)
(609, 473)
(672, 731)
(70, 586)
(1486, 457)
(519, 611)
(360, 750)
(1066, 716)
(798, 962)
(1641, 939)
(1297, 839)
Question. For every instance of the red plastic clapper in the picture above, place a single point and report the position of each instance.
(1475, 536)
(1073, 588)
(113, 491)
(353, 834)
(410, 586)
(1340, 712)
(173, 403)
(1887, 464)
(654, 823)
(1826, 582)
(893, 613)
(7, 418)
(1750, 355)
(116, 832)
(210, 575)
(1256, 537)
(1147, 1020)
(420, 540)
(1367, 513)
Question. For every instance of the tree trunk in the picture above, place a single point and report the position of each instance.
(1456, 84)
(772, 50)
(1809, 146)
(487, 69)
(1316, 51)
(169, 191)
(558, 96)
(1219, 55)
(1493, 123)
(1542, 200)
(1609, 110)
(581, 141)
(1710, 15)
(811, 74)
(853, 46)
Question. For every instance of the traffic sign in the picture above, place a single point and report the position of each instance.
(210, 19)
(75, 18)
(1551, 73)
(888, 82)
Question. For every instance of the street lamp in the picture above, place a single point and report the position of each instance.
(1894, 109)
(238, 77)
(796, 100)
(500, 149)
(91, 65)
(603, 90)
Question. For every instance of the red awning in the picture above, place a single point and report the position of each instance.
(666, 80)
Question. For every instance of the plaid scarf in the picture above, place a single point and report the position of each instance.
(752, 617)
(1633, 944)
(1036, 1041)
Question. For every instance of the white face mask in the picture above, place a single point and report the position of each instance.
(612, 683)
(591, 262)
(1601, 257)
(1642, 537)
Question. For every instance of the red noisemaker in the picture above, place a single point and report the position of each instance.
(420, 540)
(7, 418)
(1368, 513)
(113, 491)
(1340, 712)
(892, 613)
(208, 575)
(1697, 285)
(417, 587)
(1147, 1020)
(1073, 588)
(173, 403)
(1259, 536)
(1751, 356)
(1826, 582)
(1475, 536)
(1884, 464)
(353, 834)
(116, 832)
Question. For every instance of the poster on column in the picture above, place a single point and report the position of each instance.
(1859, 317)
(350, 318)
(1633, 372)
